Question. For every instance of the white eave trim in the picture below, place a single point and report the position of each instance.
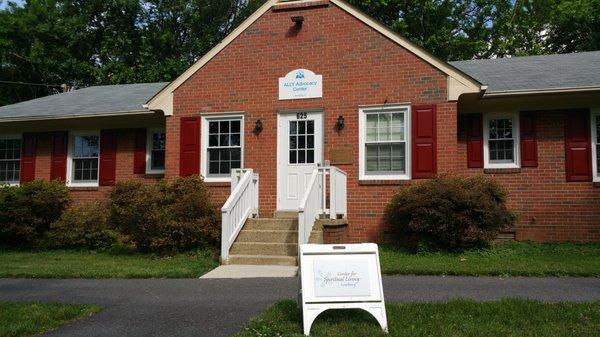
(163, 100)
(506, 93)
(99, 114)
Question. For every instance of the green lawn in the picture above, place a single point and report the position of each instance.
(454, 318)
(506, 259)
(77, 264)
(28, 319)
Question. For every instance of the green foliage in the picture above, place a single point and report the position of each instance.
(26, 211)
(165, 217)
(83, 227)
(91, 42)
(503, 318)
(451, 212)
(34, 318)
(103, 264)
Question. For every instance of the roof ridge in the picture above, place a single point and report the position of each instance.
(525, 57)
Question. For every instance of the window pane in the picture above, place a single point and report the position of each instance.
(598, 131)
(213, 127)
(235, 139)
(158, 160)
(301, 157)
(224, 150)
(301, 142)
(384, 126)
(235, 126)
(293, 142)
(224, 127)
(293, 128)
(310, 156)
(301, 127)
(158, 141)
(310, 127)
(386, 158)
(293, 159)
(372, 127)
(398, 127)
(213, 140)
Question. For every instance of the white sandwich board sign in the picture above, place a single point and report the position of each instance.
(340, 277)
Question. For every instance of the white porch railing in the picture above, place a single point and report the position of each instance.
(241, 204)
(314, 202)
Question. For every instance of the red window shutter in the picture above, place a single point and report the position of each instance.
(475, 140)
(58, 159)
(578, 146)
(28, 150)
(139, 156)
(424, 136)
(529, 155)
(189, 156)
(108, 157)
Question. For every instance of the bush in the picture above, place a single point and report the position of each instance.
(83, 227)
(26, 211)
(450, 212)
(166, 217)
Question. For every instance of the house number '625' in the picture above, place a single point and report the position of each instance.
(301, 115)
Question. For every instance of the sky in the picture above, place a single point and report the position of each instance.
(4, 3)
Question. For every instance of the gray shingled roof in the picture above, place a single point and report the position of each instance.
(544, 72)
(97, 100)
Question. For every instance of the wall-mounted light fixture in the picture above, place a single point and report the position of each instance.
(258, 127)
(340, 124)
(298, 20)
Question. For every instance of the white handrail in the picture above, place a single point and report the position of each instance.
(314, 203)
(241, 204)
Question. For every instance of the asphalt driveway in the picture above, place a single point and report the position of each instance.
(220, 307)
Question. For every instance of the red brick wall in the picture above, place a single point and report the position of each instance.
(125, 147)
(550, 208)
(359, 67)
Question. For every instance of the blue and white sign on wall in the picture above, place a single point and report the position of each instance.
(300, 84)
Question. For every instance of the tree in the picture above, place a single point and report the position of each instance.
(91, 42)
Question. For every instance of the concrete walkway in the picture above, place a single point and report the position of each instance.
(220, 307)
(237, 271)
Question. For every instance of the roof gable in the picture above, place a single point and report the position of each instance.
(458, 82)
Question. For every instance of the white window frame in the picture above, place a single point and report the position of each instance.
(516, 140)
(149, 139)
(204, 142)
(595, 174)
(14, 136)
(362, 136)
(71, 147)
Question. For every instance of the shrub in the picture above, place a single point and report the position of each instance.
(166, 217)
(450, 212)
(26, 211)
(83, 227)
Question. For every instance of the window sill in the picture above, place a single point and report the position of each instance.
(84, 188)
(384, 182)
(217, 183)
(501, 170)
(596, 184)
(154, 175)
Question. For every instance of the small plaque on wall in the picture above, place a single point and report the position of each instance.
(341, 156)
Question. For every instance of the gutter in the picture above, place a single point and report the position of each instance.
(507, 93)
(99, 114)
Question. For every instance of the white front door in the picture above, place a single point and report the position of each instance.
(299, 150)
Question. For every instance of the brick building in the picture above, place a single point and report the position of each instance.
(302, 84)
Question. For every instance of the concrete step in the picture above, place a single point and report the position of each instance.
(263, 260)
(285, 214)
(266, 223)
(271, 235)
(316, 237)
(264, 248)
